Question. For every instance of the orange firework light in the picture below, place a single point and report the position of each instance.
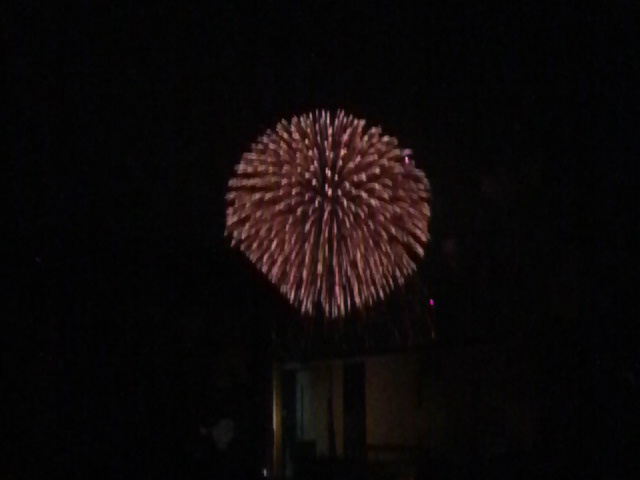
(332, 214)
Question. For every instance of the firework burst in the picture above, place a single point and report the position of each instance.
(332, 214)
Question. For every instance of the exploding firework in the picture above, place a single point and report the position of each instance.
(333, 215)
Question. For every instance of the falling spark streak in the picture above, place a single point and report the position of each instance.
(332, 215)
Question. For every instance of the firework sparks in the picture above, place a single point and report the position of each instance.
(334, 215)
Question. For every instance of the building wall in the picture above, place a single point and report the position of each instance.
(467, 401)
(306, 422)
(392, 400)
(312, 405)
(406, 406)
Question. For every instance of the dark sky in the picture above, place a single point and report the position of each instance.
(126, 123)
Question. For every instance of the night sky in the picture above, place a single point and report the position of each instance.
(125, 124)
